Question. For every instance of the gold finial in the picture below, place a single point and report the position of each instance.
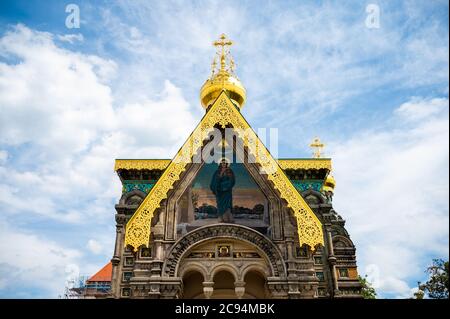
(317, 147)
(213, 67)
(232, 65)
(222, 43)
(222, 76)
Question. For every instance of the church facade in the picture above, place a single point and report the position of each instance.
(224, 219)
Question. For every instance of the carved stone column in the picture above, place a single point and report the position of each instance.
(208, 289)
(239, 289)
(117, 257)
(332, 261)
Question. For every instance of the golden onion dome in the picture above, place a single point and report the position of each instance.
(329, 184)
(222, 78)
(212, 88)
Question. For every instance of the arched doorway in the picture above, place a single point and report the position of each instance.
(223, 285)
(255, 285)
(223, 254)
(193, 285)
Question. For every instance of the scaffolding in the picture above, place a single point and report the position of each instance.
(81, 288)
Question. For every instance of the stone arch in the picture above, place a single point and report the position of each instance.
(194, 267)
(224, 287)
(126, 197)
(193, 284)
(337, 230)
(224, 267)
(255, 284)
(310, 192)
(254, 267)
(342, 241)
(230, 231)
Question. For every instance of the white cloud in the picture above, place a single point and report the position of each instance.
(71, 38)
(166, 120)
(32, 266)
(419, 109)
(392, 187)
(53, 98)
(59, 103)
(3, 156)
(94, 246)
(299, 62)
(27, 260)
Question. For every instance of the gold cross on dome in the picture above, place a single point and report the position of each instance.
(317, 147)
(222, 42)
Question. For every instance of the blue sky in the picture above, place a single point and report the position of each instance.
(126, 85)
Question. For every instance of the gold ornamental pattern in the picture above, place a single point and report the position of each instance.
(319, 163)
(223, 112)
(161, 164)
(140, 164)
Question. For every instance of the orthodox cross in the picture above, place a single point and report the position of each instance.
(222, 42)
(317, 147)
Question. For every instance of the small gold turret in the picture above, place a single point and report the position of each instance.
(222, 77)
(329, 184)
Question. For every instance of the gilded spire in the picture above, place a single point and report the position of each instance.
(317, 147)
(222, 76)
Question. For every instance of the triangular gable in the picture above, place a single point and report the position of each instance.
(222, 112)
(103, 275)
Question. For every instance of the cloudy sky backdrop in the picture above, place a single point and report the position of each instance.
(126, 84)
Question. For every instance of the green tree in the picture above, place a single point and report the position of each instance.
(367, 290)
(437, 285)
(419, 294)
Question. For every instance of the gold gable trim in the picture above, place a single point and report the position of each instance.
(322, 163)
(223, 112)
(161, 164)
(139, 164)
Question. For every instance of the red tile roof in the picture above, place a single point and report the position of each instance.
(104, 274)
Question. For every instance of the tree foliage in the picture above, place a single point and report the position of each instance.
(419, 294)
(437, 285)
(367, 290)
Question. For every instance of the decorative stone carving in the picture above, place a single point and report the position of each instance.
(227, 231)
(121, 219)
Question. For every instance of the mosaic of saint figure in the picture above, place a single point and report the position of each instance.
(221, 185)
